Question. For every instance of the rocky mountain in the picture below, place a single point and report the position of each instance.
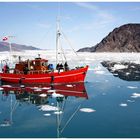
(4, 46)
(126, 38)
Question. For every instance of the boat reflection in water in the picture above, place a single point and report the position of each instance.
(41, 95)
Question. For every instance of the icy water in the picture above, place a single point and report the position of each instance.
(104, 107)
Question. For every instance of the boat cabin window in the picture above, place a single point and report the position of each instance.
(45, 64)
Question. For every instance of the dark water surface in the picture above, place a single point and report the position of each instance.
(112, 110)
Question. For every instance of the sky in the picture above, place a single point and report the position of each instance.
(84, 24)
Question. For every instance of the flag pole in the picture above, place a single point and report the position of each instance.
(10, 51)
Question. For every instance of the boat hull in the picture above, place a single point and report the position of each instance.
(76, 75)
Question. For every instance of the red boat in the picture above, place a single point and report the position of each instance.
(38, 71)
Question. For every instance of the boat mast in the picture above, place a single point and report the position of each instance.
(57, 40)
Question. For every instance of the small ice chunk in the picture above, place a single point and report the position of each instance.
(87, 110)
(119, 66)
(47, 114)
(1, 88)
(132, 87)
(131, 101)
(135, 95)
(69, 85)
(54, 95)
(43, 95)
(58, 112)
(48, 108)
(123, 104)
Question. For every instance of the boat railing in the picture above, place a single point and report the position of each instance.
(39, 71)
(18, 72)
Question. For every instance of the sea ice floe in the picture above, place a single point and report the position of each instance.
(132, 87)
(43, 95)
(47, 114)
(58, 112)
(123, 104)
(87, 110)
(48, 108)
(135, 95)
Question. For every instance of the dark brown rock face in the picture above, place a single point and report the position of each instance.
(123, 39)
(131, 71)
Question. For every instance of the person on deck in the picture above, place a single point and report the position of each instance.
(61, 67)
(6, 69)
(66, 67)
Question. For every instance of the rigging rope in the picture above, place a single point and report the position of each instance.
(71, 46)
